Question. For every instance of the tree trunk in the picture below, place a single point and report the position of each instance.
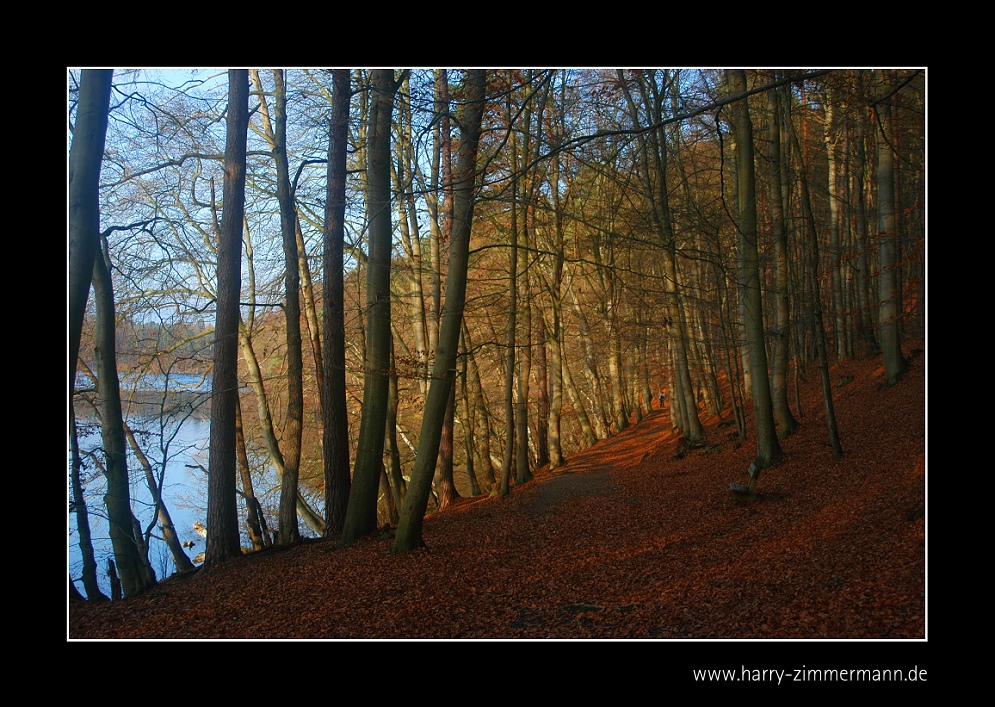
(482, 441)
(523, 473)
(545, 433)
(785, 421)
(335, 435)
(619, 413)
(655, 193)
(866, 327)
(446, 484)
(136, 575)
(293, 425)
(253, 511)
(387, 512)
(509, 369)
(222, 510)
(85, 157)
(394, 473)
(409, 530)
(600, 422)
(361, 515)
(78, 504)
(590, 438)
(768, 448)
(888, 293)
(811, 274)
(554, 402)
(468, 416)
(841, 335)
(311, 317)
(405, 169)
(180, 559)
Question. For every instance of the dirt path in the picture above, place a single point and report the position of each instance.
(626, 541)
(588, 475)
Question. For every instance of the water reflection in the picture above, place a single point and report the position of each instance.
(171, 421)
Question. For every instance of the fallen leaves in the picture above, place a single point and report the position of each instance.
(630, 544)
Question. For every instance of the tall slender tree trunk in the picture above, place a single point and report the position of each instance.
(811, 274)
(552, 339)
(865, 321)
(600, 421)
(293, 427)
(510, 427)
(510, 355)
(587, 429)
(405, 168)
(620, 415)
(361, 515)
(655, 193)
(222, 509)
(394, 474)
(90, 583)
(768, 448)
(446, 484)
(468, 416)
(522, 471)
(180, 559)
(335, 433)
(888, 293)
(544, 433)
(835, 247)
(85, 157)
(255, 520)
(136, 575)
(409, 529)
(785, 421)
(483, 441)
(311, 317)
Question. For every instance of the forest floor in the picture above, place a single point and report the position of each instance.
(625, 541)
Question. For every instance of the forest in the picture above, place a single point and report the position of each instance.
(393, 290)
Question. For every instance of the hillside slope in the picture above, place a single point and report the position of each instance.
(625, 542)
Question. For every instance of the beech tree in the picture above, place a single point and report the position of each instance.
(409, 535)
(85, 157)
(84, 199)
(768, 448)
(361, 515)
(652, 171)
(786, 422)
(888, 292)
(222, 510)
(129, 549)
(335, 433)
(78, 504)
(276, 131)
(607, 263)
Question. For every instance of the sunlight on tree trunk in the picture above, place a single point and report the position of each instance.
(361, 516)
(409, 530)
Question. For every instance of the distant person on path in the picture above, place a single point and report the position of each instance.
(663, 396)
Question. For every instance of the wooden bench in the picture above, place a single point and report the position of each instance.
(746, 492)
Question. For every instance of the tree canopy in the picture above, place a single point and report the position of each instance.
(444, 281)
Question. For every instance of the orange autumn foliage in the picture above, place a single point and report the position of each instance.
(623, 542)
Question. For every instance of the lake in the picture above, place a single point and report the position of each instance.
(174, 428)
